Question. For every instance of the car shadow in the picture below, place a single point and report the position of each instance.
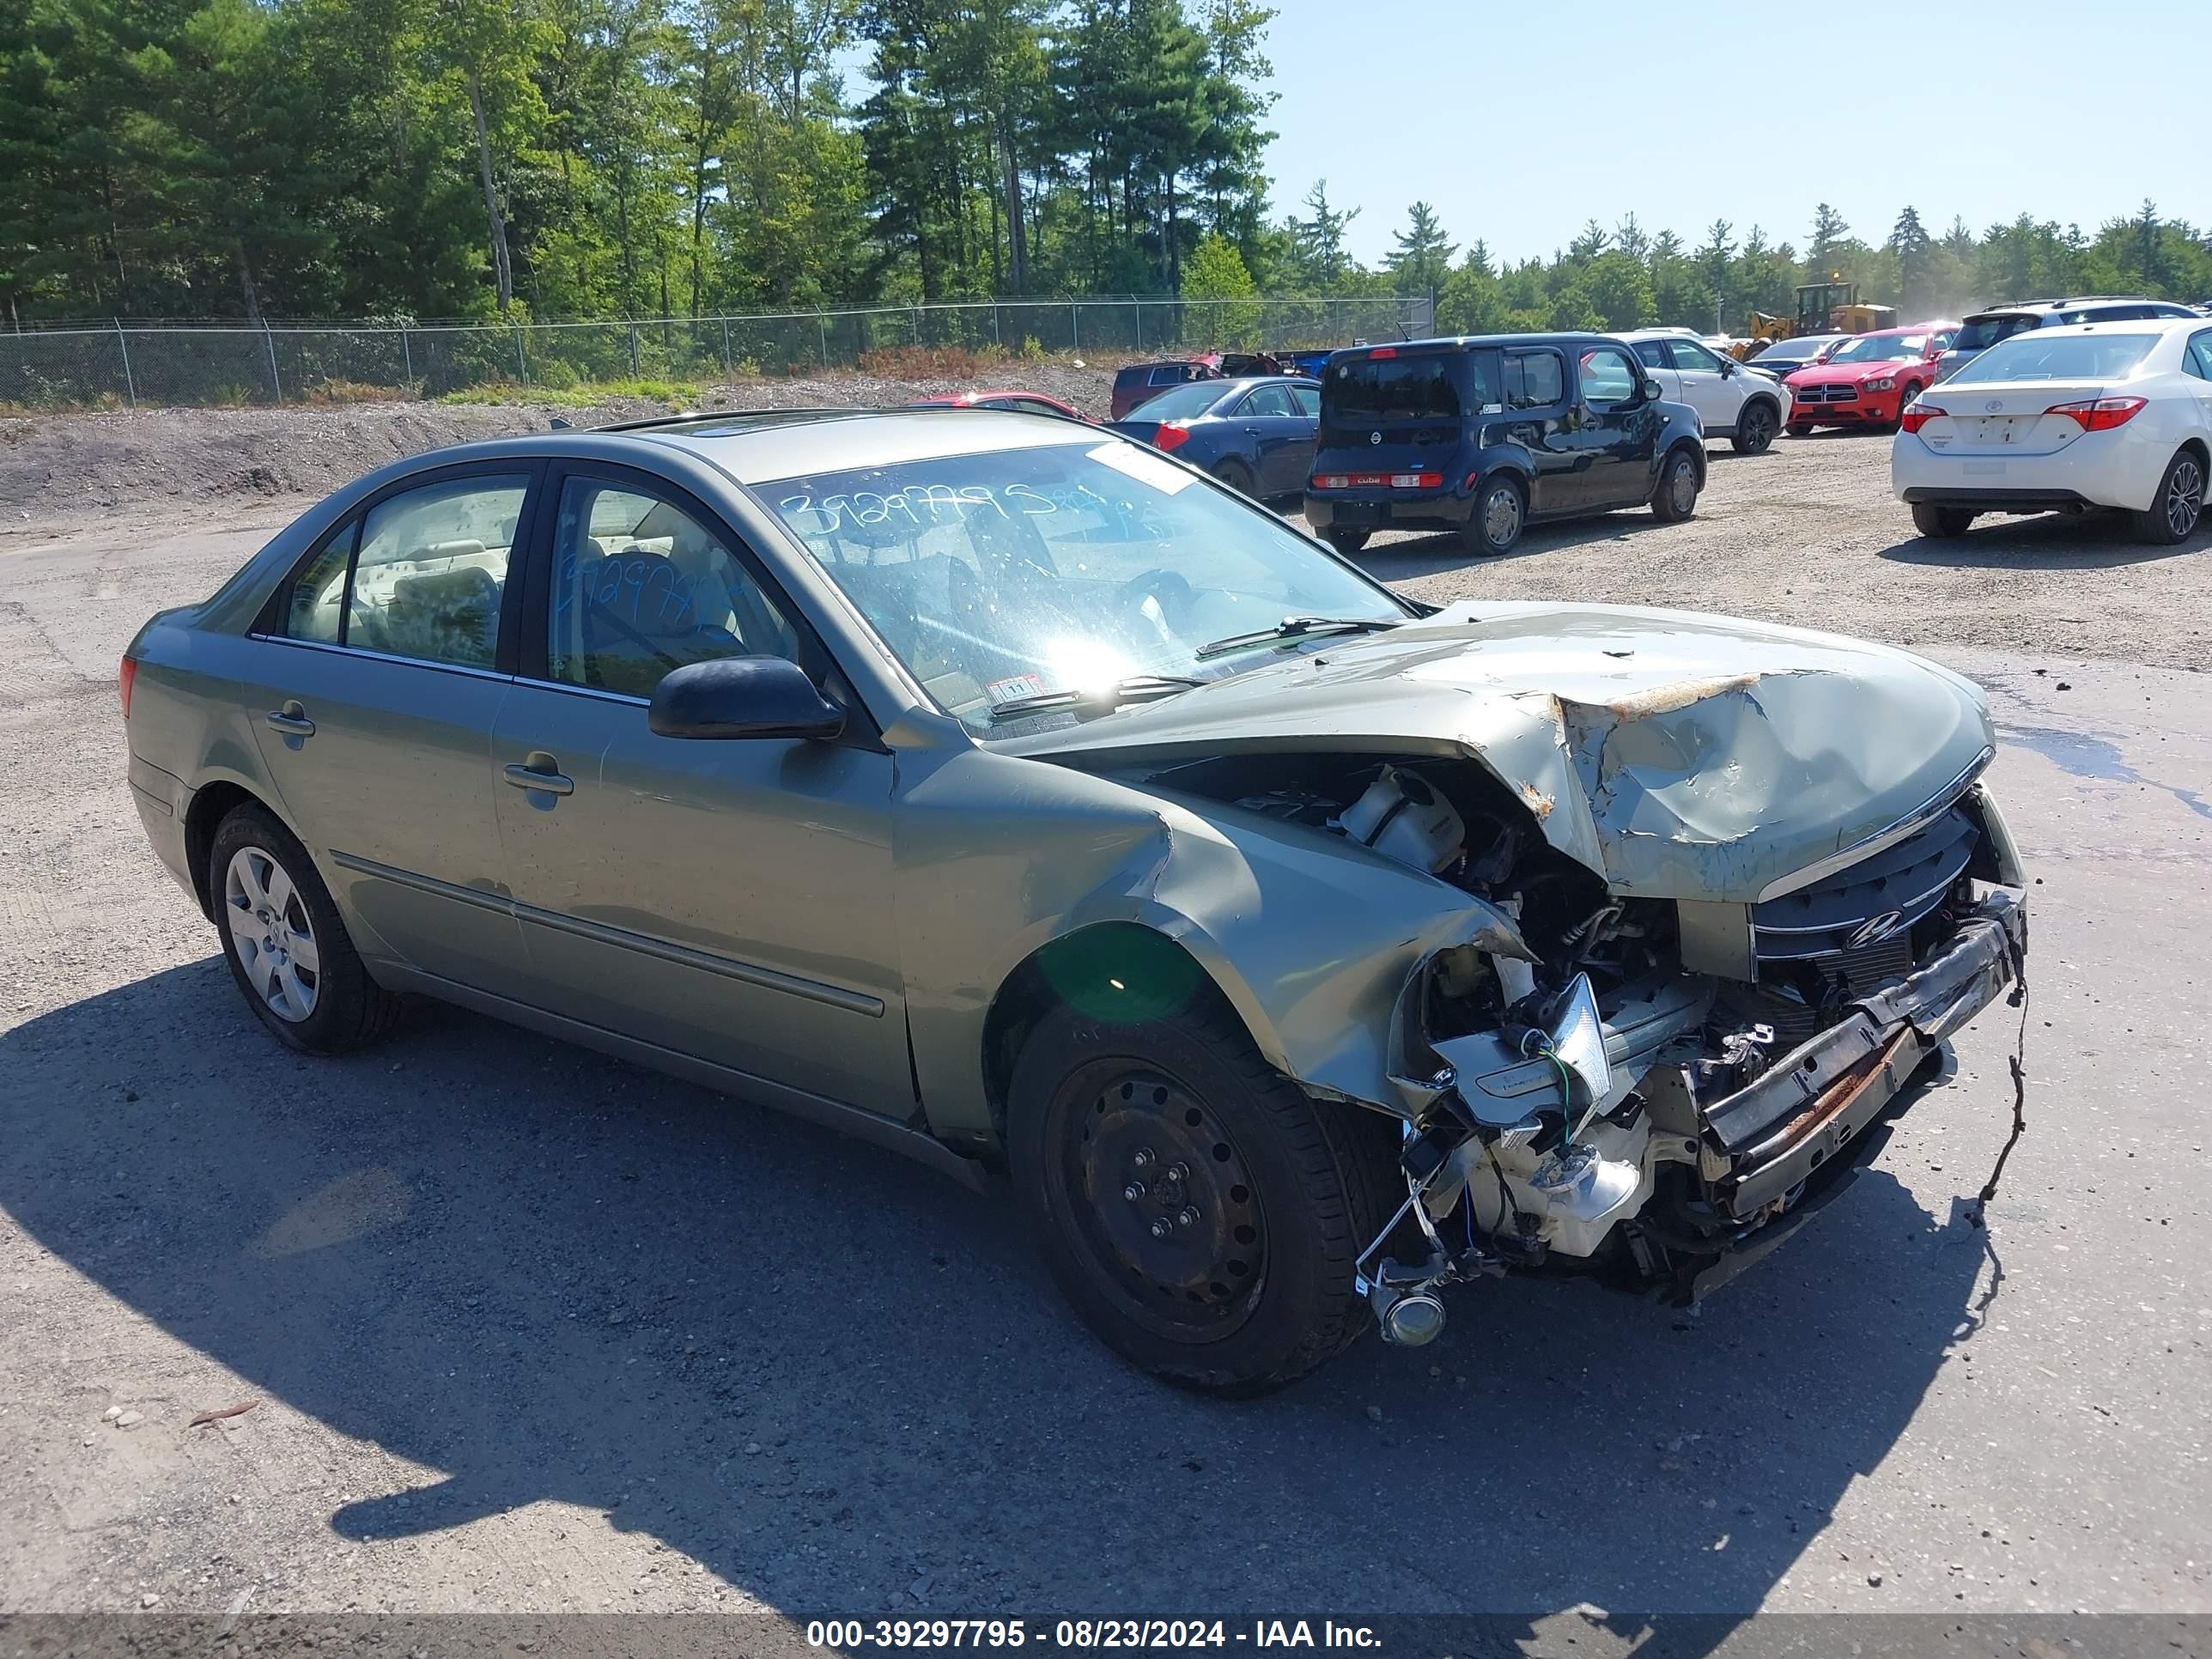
(2053, 541)
(842, 1384)
(1426, 556)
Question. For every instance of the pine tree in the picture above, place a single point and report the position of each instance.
(1422, 256)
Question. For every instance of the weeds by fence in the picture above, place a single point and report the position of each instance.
(129, 365)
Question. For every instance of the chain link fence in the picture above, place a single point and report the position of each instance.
(127, 365)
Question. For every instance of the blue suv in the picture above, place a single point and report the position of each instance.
(1482, 437)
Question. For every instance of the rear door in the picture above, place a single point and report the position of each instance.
(1277, 438)
(1659, 364)
(388, 656)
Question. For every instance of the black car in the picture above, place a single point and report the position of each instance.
(1483, 435)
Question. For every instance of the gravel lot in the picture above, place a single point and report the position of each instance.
(529, 1330)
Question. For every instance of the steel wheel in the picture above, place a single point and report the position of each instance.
(2185, 497)
(1682, 486)
(1166, 1211)
(271, 931)
(1501, 517)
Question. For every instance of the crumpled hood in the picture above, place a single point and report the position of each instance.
(1677, 754)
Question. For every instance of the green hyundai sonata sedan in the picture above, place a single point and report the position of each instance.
(1002, 792)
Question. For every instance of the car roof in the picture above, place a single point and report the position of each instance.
(1463, 342)
(2125, 325)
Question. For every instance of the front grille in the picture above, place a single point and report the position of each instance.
(1825, 394)
(1897, 885)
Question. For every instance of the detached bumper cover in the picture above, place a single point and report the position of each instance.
(1802, 1111)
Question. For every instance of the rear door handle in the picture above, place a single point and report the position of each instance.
(291, 719)
(542, 777)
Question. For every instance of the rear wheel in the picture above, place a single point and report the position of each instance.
(1235, 474)
(1940, 522)
(1501, 512)
(1201, 1211)
(1346, 542)
(1676, 497)
(1754, 428)
(2174, 512)
(287, 948)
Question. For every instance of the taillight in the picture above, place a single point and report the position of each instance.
(2099, 414)
(1329, 481)
(1170, 437)
(1378, 480)
(1917, 415)
(1416, 480)
(125, 676)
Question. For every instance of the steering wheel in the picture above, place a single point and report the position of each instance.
(1166, 585)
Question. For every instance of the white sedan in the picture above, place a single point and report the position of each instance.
(2102, 415)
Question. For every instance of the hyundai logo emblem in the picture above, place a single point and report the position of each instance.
(1374, 437)
(1873, 931)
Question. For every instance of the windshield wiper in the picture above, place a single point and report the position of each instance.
(1293, 628)
(1138, 688)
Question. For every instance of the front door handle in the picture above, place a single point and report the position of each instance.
(541, 773)
(291, 719)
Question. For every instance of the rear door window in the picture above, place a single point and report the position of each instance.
(1308, 399)
(2199, 359)
(1534, 380)
(1268, 400)
(1653, 353)
(431, 578)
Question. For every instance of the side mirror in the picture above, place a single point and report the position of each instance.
(1653, 392)
(743, 698)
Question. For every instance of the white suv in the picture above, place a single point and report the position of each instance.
(1731, 401)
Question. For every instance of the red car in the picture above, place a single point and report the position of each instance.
(1029, 403)
(1867, 379)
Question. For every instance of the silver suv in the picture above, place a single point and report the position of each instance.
(1983, 329)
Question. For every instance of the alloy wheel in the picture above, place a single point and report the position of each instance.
(271, 930)
(2185, 497)
(1759, 428)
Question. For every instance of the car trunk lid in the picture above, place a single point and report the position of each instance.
(1998, 418)
(1393, 412)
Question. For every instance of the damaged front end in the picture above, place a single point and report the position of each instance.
(1659, 1095)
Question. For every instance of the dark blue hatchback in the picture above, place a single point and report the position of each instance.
(1482, 437)
(1255, 434)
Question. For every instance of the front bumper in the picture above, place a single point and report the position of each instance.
(1867, 409)
(1778, 1129)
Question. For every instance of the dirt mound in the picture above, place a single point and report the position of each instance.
(61, 470)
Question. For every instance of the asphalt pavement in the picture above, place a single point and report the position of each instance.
(528, 1329)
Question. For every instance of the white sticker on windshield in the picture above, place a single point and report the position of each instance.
(1016, 685)
(1146, 468)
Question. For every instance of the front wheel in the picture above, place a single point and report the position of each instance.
(1346, 542)
(1201, 1212)
(2173, 512)
(1801, 428)
(287, 947)
(1500, 514)
(1676, 497)
(1754, 428)
(1939, 522)
(1905, 397)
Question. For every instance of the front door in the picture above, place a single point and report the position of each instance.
(1715, 390)
(1617, 429)
(729, 900)
(374, 706)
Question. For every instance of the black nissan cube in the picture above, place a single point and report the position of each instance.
(1483, 435)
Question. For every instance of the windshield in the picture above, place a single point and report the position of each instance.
(1794, 351)
(2037, 356)
(1980, 333)
(1181, 403)
(1881, 349)
(1023, 572)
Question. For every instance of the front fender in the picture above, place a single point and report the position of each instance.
(1309, 940)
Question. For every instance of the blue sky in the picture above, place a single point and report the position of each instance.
(1519, 122)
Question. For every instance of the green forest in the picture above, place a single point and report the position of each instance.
(562, 159)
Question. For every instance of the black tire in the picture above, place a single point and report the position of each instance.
(1940, 523)
(1346, 542)
(1233, 473)
(1676, 496)
(1755, 424)
(1500, 514)
(348, 1007)
(1801, 428)
(2178, 508)
(1905, 397)
(1099, 1111)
